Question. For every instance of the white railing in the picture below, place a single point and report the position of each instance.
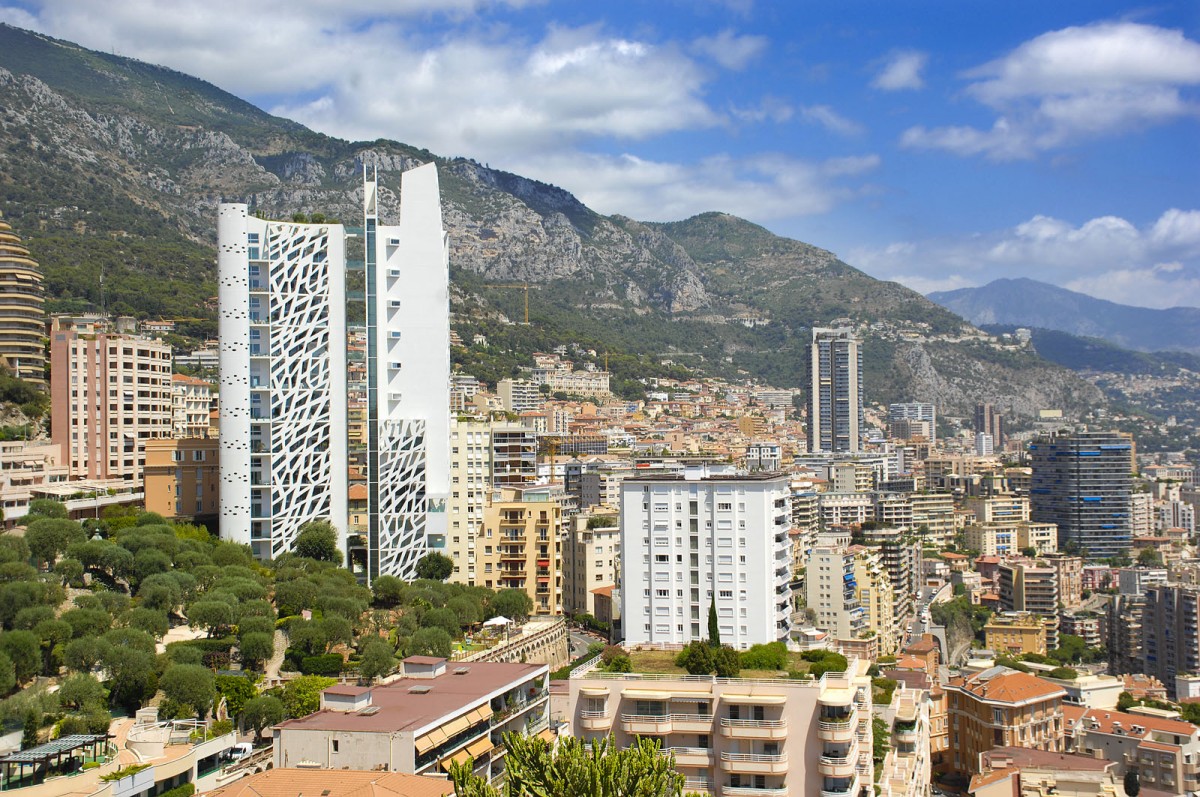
(593, 715)
(750, 791)
(656, 719)
(727, 722)
(834, 725)
(678, 751)
(755, 758)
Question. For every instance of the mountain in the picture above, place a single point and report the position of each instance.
(112, 167)
(1029, 303)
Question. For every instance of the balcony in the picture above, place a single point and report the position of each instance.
(835, 730)
(850, 789)
(692, 723)
(750, 791)
(595, 720)
(646, 724)
(697, 786)
(691, 756)
(833, 766)
(754, 763)
(753, 729)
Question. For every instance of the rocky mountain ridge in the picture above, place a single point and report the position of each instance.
(115, 162)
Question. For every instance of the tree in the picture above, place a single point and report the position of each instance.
(569, 769)
(49, 537)
(302, 696)
(191, 685)
(1149, 557)
(515, 604)
(29, 737)
(696, 658)
(377, 658)
(387, 591)
(1131, 783)
(255, 648)
(47, 507)
(81, 691)
(714, 630)
(8, 675)
(151, 621)
(726, 662)
(23, 648)
(441, 618)
(430, 642)
(263, 712)
(318, 539)
(879, 740)
(213, 615)
(238, 691)
(435, 566)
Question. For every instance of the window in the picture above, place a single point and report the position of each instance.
(335, 745)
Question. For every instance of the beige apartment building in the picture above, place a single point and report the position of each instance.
(1165, 751)
(182, 478)
(1001, 707)
(933, 517)
(907, 768)
(109, 394)
(734, 737)
(876, 596)
(24, 466)
(521, 545)
(191, 403)
(1029, 586)
(591, 559)
(438, 712)
(1015, 633)
(470, 487)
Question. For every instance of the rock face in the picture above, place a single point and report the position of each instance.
(98, 145)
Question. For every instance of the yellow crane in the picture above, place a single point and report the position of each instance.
(522, 286)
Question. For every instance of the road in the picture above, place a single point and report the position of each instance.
(580, 641)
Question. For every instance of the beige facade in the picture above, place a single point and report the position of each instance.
(1165, 752)
(518, 395)
(875, 594)
(470, 486)
(522, 545)
(733, 737)
(1015, 633)
(22, 317)
(1069, 571)
(906, 768)
(1001, 707)
(191, 403)
(933, 517)
(591, 559)
(182, 478)
(25, 465)
(109, 395)
(436, 713)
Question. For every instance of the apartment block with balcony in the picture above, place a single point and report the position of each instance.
(1028, 586)
(875, 594)
(438, 712)
(692, 540)
(733, 737)
(109, 394)
(591, 559)
(1170, 632)
(1015, 633)
(191, 404)
(1165, 752)
(522, 545)
(1000, 707)
(831, 591)
(514, 455)
(906, 768)
(470, 488)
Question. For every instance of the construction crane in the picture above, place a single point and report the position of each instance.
(523, 286)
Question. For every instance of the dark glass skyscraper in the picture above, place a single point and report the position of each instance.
(835, 405)
(1082, 481)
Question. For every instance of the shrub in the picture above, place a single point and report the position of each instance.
(326, 664)
(772, 656)
(696, 658)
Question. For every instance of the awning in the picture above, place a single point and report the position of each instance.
(547, 734)
(480, 747)
(480, 714)
(645, 694)
(430, 741)
(455, 727)
(593, 690)
(460, 757)
(767, 700)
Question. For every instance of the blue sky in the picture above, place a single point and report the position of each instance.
(941, 144)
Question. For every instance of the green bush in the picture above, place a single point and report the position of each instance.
(327, 664)
(1065, 673)
(772, 656)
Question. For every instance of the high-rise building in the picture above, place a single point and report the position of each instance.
(1171, 632)
(1082, 482)
(521, 546)
(989, 421)
(322, 325)
(835, 409)
(693, 541)
(109, 394)
(832, 592)
(1027, 586)
(191, 403)
(22, 317)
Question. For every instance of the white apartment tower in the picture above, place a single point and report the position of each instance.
(335, 370)
(691, 540)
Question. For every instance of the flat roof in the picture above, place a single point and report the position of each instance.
(285, 782)
(756, 476)
(429, 701)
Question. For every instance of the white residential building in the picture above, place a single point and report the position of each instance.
(691, 540)
(290, 331)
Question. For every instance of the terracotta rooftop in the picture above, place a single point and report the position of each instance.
(335, 783)
(411, 704)
(1002, 685)
(1079, 717)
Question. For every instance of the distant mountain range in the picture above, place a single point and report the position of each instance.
(115, 167)
(1029, 303)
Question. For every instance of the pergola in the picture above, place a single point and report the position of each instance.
(46, 757)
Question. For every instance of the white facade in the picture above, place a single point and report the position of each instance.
(285, 448)
(689, 540)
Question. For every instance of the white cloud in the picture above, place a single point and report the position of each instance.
(831, 120)
(1073, 84)
(731, 50)
(762, 188)
(902, 70)
(1154, 266)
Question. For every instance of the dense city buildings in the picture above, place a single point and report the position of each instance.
(1082, 483)
(22, 313)
(332, 373)
(695, 540)
(835, 413)
(110, 393)
(989, 422)
(1170, 632)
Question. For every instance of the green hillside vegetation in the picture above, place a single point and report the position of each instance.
(84, 601)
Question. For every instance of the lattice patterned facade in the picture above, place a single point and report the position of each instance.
(327, 387)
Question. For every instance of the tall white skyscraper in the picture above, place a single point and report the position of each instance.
(835, 405)
(693, 541)
(335, 376)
